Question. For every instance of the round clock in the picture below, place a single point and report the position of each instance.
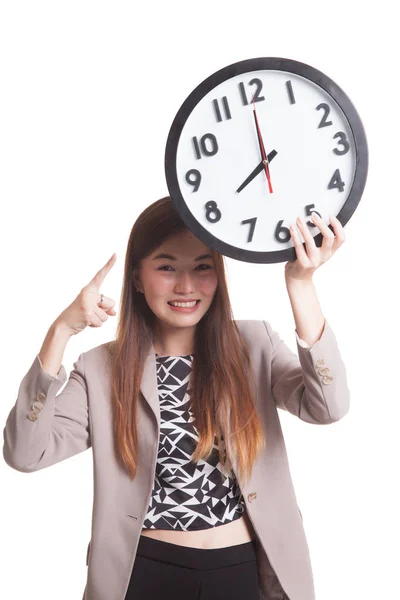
(257, 144)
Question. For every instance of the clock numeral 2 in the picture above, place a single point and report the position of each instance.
(257, 97)
(202, 148)
(217, 111)
(325, 107)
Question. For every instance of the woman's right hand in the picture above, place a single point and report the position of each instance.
(87, 309)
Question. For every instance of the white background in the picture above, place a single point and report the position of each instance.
(88, 93)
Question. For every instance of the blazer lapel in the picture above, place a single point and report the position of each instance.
(148, 385)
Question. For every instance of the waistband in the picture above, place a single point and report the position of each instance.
(196, 558)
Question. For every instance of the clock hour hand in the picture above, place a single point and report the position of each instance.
(259, 168)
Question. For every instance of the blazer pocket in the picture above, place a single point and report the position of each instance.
(87, 554)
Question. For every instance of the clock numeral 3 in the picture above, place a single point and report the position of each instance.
(252, 223)
(211, 207)
(225, 107)
(325, 107)
(195, 180)
(202, 148)
(257, 97)
(343, 141)
(336, 182)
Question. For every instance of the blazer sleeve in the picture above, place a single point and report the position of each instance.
(313, 385)
(43, 428)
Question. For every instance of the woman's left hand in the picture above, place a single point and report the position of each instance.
(310, 258)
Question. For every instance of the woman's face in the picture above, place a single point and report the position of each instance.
(179, 277)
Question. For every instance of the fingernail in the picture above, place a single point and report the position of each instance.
(314, 216)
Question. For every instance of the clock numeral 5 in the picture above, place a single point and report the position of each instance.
(257, 97)
(202, 148)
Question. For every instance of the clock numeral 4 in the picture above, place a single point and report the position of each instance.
(257, 97)
(193, 177)
(225, 106)
(201, 148)
(336, 182)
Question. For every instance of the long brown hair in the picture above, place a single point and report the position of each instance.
(221, 393)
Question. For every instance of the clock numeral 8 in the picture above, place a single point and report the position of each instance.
(211, 207)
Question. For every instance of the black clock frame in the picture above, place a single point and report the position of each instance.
(258, 64)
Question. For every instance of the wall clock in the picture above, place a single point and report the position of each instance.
(258, 143)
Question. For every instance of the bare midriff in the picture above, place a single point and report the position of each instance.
(230, 534)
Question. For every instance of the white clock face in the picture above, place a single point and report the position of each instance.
(218, 148)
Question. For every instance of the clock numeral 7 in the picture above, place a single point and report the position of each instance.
(201, 148)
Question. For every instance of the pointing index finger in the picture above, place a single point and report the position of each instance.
(102, 273)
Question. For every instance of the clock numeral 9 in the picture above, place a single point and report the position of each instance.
(195, 180)
(211, 207)
(257, 97)
(202, 148)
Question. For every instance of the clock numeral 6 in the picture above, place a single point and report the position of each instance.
(202, 148)
(211, 207)
(281, 229)
(195, 180)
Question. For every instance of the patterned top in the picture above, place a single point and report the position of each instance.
(186, 496)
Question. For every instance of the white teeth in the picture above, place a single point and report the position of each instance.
(184, 304)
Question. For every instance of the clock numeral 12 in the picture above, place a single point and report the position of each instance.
(202, 148)
(257, 97)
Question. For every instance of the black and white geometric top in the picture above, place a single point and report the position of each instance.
(186, 496)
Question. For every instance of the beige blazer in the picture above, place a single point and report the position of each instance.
(44, 428)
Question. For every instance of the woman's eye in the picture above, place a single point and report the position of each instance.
(202, 265)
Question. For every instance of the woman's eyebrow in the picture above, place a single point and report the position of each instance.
(170, 257)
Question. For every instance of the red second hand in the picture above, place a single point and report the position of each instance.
(265, 159)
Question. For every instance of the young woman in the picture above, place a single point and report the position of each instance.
(193, 497)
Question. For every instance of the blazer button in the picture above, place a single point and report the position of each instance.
(41, 397)
(252, 496)
(320, 362)
(37, 405)
(327, 379)
(33, 416)
(324, 371)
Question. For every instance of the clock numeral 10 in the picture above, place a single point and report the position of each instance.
(201, 148)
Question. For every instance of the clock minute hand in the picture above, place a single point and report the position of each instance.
(259, 168)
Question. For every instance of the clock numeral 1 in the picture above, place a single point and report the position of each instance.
(290, 92)
(336, 182)
(211, 207)
(252, 222)
(202, 148)
(325, 107)
(257, 97)
(225, 107)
